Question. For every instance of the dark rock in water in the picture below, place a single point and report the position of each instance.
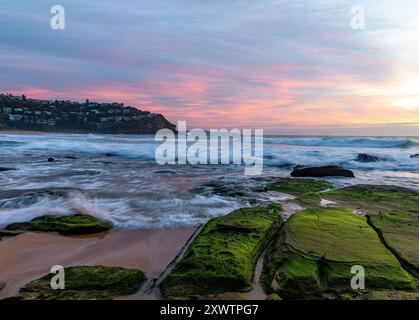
(226, 190)
(318, 172)
(110, 154)
(51, 159)
(363, 157)
(415, 156)
(71, 157)
(6, 169)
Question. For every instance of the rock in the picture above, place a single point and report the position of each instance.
(223, 256)
(224, 296)
(326, 171)
(415, 156)
(273, 296)
(2, 285)
(110, 154)
(51, 159)
(6, 169)
(67, 225)
(6, 233)
(71, 157)
(299, 187)
(394, 214)
(86, 283)
(389, 295)
(363, 157)
(315, 250)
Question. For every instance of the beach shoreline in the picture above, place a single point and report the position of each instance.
(29, 256)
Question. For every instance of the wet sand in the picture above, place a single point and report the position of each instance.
(31, 255)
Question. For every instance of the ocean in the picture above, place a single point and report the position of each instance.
(116, 177)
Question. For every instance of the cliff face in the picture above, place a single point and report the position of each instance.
(20, 113)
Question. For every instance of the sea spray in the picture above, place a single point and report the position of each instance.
(221, 146)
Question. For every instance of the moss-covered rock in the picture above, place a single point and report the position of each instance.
(224, 296)
(400, 232)
(299, 187)
(67, 225)
(389, 295)
(223, 256)
(86, 283)
(374, 198)
(316, 250)
(6, 233)
(306, 190)
(393, 212)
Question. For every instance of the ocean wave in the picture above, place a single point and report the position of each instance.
(123, 211)
(368, 142)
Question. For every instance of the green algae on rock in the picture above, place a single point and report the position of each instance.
(86, 283)
(67, 225)
(6, 233)
(299, 187)
(306, 190)
(223, 256)
(400, 232)
(393, 212)
(374, 198)
(389, 295)
(316, 249)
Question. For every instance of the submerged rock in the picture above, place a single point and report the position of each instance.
(318, 172)
(67, 225)
(86, 283)
(415, 156)
(6, 169)
(51, 159)
(363, 157)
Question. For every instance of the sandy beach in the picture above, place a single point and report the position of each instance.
(29, 256)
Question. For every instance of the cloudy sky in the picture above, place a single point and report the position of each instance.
(290, 67)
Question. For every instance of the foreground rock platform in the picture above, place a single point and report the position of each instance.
(223, 256)
(316, 249)
(85, 283)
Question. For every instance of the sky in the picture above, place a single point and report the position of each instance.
(289, 67)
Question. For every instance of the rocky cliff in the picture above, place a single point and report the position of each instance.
(21, 113)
